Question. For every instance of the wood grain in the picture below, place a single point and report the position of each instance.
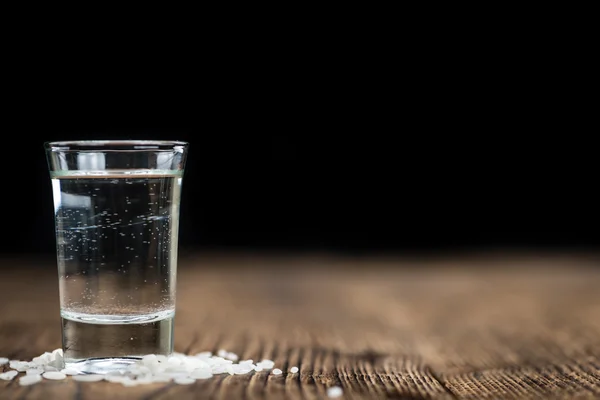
(488, 326)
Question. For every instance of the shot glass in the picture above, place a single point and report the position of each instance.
(116, 215)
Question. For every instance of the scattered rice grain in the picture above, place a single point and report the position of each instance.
(88, 378)
(34, 371)
(70, 371)
(9, 375)
(27, 380)
(54, 375)
(184, 381)
(334, 392)
(179, 367)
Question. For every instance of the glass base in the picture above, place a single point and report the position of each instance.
(102, 365)
(100, 348)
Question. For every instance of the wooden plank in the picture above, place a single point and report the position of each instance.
(567, 380)
(522, 330)
(495, 327)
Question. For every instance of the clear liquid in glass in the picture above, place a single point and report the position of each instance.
(117, 259)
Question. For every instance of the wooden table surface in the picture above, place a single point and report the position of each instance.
(481, 326)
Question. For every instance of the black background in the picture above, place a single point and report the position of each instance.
(371, 188)
(468, 136)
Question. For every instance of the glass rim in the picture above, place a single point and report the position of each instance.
(114, 145)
